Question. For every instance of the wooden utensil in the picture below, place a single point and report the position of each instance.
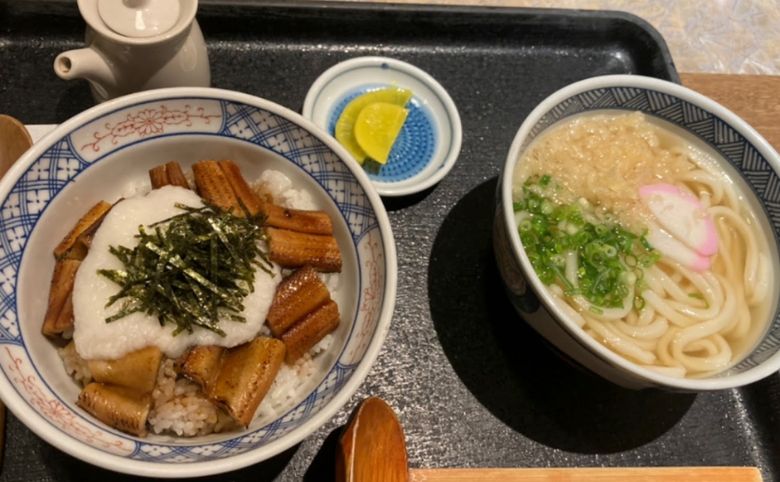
(14, 140)
(372, 449)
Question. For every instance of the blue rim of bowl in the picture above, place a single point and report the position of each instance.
(616, 92)
(96, 456)
(453, 121)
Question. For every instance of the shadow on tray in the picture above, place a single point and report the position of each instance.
(403, 202)
(510, 368)
(323, 467)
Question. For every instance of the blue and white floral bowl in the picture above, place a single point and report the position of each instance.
(105, 153)
(750, 157)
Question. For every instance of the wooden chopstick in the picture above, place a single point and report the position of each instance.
(646, 474)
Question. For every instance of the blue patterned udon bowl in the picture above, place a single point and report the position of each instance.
(105, 153)
(749, 157)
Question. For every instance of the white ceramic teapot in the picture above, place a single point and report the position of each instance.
(135, 45)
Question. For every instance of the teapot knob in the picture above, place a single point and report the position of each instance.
(139, 18)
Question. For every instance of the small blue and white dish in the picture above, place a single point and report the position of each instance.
(429, 142)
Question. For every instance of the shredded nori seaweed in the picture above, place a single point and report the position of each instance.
(193, 269)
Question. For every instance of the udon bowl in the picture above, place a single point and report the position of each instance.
(749, 156)
(104, 153)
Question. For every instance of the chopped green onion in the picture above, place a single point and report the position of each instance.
(609, 257)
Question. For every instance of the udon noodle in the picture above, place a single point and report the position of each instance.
(691, 268)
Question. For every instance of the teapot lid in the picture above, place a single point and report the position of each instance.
(139, 18)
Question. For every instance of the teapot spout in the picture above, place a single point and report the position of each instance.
(87, 64)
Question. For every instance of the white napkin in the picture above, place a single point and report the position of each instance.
(39, 130)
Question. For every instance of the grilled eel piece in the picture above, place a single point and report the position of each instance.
(296, 296)
(245, 377)
(202, 364)
(136, 370)
(169, 174)
(216, 177)
(213, 186)
(247, 199)
(221, 184)
(302, 312)
(309, 330)
(296, 237)
(76, 243)
(235, 379)
(120, 407)
(69, 253)
(311, 222)
(59, 314)
(291, 249)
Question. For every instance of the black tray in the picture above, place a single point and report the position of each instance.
(472, 384)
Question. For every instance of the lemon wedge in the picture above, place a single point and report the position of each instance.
(376, 128)
(345, 125)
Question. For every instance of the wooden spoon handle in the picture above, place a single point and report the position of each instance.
(649, 474)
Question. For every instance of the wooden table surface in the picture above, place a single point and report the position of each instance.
(755, 98)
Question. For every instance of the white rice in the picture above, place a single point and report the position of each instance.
(279, 187)
(289, 381)
(179, 406)
(75, 366)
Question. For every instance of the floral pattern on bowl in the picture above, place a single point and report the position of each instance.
(175, 115)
